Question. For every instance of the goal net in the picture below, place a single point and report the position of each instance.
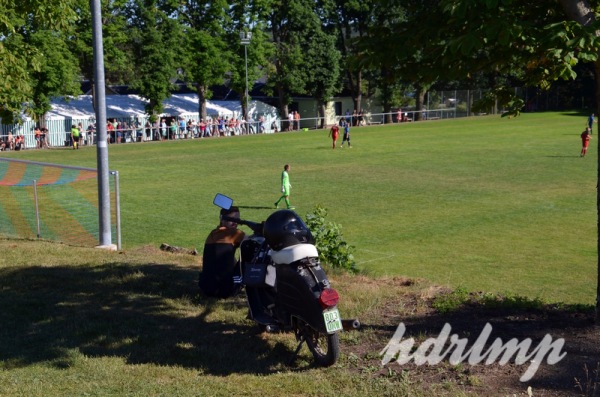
(52, 202)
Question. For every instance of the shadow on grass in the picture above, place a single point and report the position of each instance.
(143, 313)
(516, 322)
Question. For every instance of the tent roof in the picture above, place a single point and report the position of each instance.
(119, 106)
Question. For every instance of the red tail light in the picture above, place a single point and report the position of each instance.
(329, 297)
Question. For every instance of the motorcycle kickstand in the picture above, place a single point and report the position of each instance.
(293, 358)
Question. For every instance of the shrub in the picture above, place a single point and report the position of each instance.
(333, 250)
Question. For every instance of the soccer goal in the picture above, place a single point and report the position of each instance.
(54, 202)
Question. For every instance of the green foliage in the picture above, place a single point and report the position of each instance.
(58, 74)
(511, 103)
(451, 301)
(332, 247)
(18, 56)
(156, 54)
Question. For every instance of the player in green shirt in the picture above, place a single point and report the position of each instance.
(75, 134)
(285, 187)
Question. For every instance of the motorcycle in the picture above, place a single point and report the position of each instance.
(285, 285)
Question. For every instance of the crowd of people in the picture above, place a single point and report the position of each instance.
(165, 128)
(11, 142)
(169, 128)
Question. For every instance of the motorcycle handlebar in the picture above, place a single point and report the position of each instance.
(256, 227)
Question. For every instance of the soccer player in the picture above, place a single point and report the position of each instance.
(585, 141)
(334, 133)
(285, 188)
(346, 135)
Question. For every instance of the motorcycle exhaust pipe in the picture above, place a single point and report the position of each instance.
(350, 324)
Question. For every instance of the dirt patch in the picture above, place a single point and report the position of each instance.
(576, 374)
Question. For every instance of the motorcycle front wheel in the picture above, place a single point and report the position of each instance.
(325, 348)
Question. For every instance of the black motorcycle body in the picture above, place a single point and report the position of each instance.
(288, 291)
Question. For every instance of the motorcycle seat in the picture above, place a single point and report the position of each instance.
(293, 253)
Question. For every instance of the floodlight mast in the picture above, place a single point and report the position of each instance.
(245, 38)
(101, 143)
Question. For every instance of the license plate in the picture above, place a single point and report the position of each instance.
(333, 322)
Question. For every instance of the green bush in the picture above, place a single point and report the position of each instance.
(333, 250)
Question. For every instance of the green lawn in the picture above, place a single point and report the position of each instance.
(487, 203)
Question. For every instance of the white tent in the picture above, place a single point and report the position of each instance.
(127, 106)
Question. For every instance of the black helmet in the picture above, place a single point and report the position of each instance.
(285, 228)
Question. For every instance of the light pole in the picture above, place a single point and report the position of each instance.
(245, 40)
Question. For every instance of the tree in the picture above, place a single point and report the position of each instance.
(118, 48)
(18, 56)
(205, 53)
(288, 22)
(57, 75)
(323, 81)
(158, 38)
(249, 17)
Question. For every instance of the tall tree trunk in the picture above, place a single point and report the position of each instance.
(419, 102)
(283, 108)
(357, 97)
(201, 89)
(581, 12)
(322, 110)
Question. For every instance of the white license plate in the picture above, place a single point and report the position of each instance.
(333, 322)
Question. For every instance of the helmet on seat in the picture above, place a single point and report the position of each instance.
(285, 228)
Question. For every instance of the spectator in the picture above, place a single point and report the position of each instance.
(81, 133)
(120, 130)
(163, 129)
(37, 133)
(173, 129)
(189, 128)
(10, 141)
(44, 138)
(219, 265)
(91, 130)
(110, 132)
(297, 120)
(20, 142)
(290, 121)
(182, 128)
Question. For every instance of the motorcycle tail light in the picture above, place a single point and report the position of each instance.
(329, 297)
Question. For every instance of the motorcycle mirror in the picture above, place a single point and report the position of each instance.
(223, 201)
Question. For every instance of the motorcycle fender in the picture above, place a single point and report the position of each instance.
(298, 291)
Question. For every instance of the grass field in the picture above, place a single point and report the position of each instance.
(488, 204)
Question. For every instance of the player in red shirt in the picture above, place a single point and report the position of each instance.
(585, 141)
(334, 133)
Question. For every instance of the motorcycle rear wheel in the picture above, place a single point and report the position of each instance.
(325, 348)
